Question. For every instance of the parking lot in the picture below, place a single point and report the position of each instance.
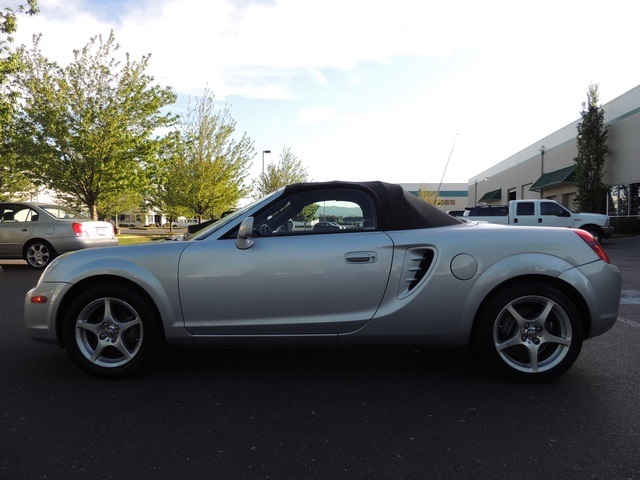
(369, 414)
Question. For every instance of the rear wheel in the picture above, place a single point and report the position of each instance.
(595, 231)
(111, 331)
(39, 254)
(530, 333)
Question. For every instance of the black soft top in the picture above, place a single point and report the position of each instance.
(397, 208)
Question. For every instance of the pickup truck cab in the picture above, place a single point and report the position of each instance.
(541, 213)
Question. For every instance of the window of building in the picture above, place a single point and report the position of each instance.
(624, 200)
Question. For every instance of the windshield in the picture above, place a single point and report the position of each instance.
(208, 230)
(58, 211)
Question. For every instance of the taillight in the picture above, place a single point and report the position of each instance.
(79, 230)
(593, 243)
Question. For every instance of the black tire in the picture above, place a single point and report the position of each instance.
(38, 254)
(595, 231)
(530, 333)
(111, 331)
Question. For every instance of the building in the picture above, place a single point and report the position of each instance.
(545, 169)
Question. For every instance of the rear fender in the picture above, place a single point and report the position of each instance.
(509, 269)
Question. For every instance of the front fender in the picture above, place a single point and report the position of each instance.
(161, 284)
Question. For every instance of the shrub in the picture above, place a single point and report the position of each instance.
(626, 225)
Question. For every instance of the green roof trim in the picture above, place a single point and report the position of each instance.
(445, 193)
(564, 176)
(492, 195)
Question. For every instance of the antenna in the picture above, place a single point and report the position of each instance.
(445, 167)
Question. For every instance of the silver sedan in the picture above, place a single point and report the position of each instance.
(39, 232)
(400, 273)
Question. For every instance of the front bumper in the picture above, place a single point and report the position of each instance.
(40, 318)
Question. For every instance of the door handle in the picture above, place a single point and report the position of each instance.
(361, 257)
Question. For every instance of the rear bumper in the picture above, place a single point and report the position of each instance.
(599, 284)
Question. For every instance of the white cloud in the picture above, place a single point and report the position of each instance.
(525, 72)
(317, 114)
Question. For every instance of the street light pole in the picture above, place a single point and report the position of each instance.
(541, 167)
(263, 152)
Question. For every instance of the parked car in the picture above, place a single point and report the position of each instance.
(327, 227)
(542, 213)
(456, 213)
(411, 275)
(39, 232)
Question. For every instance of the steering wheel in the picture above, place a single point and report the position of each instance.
(265, 230)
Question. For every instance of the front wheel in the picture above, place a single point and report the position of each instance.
(530, 333)
(110, 331)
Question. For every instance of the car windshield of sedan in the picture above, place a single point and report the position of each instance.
(57, 211)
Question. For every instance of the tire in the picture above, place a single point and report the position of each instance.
(111, 331)
(530, 333)
(595, 231)
(39, 254)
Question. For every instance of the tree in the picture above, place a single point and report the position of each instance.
(166, 177)
(308, 213)
(207, 176)
(592, 154)
(9, 62)
(287, 171)
(428, 196)
(13, 182)
(86, 130)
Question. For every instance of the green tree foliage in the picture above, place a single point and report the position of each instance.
(9, 63)
(86, 130)
(287, 171)
(166, 174)
(13, 182)
(308, 213)
(207, 174)
(592, 154)
(429, 196)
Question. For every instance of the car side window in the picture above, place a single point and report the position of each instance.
(550, 208)
(17, 213)
(525, 208)
(7, 214)
(318, 212)
(25, 214)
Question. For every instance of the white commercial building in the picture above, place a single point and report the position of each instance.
(545, 169)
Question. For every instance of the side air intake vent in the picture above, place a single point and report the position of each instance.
(417, 262)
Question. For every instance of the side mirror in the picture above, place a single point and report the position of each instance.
(245, 234)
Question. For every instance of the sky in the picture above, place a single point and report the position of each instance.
(406, 91)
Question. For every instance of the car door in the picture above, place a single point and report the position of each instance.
(292, 281)
(554, 215)
(525, 214)
(15, 228)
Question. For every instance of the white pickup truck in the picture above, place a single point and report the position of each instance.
(541, 213)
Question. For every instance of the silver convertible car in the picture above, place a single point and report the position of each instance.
(38, 232)
(400, 273)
